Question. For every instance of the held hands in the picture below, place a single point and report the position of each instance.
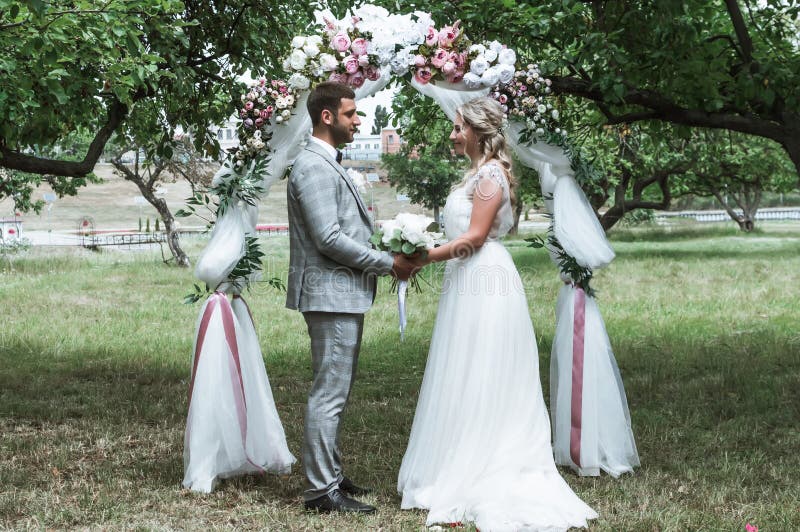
(404, 266)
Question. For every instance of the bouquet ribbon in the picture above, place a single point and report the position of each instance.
(402, 288)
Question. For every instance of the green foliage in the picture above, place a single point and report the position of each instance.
(381, 120)
(426, 168)
(157, 64)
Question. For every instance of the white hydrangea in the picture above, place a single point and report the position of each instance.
(311, 50)
(297, 60)
(328, 62)
(299, 81)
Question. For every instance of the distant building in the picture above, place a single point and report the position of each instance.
(226, 135)
(371, 147)
(390, 141)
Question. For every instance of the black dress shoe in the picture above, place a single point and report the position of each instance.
(336, 501)
(347, 486)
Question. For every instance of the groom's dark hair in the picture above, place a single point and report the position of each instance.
(327, 95)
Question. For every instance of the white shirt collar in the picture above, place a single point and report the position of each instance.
(330, 150)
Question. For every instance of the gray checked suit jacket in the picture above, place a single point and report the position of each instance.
(332, 266)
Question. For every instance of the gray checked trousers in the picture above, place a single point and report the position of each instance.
(335, 342)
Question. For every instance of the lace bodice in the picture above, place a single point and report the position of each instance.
(458, 209)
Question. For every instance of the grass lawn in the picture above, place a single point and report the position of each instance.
(95, 351)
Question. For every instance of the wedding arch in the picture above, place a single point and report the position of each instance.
(367, 50)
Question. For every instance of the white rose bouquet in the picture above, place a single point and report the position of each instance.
(411, 235)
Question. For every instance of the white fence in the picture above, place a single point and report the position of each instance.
(774, 214)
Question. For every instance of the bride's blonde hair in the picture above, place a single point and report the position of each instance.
(486, 118)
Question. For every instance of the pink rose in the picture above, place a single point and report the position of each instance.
(503, 98)
(265, 113)
(439, 58)
(359, 46)
(419, 60)
(356, 79)
(270, 109)
(460, 60)
(350, 64)
(336, 77)
(456, 76)
(432, 36)
(372, 72)
(448, 34)
(363, 60)
(259, 122)
(248, 105)
(423, 75)
(448, 68)
(340, 42)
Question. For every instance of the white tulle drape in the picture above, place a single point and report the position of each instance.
(606, 438)
(232, 426)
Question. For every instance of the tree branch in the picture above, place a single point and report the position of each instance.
(16, 160)
(740, 28)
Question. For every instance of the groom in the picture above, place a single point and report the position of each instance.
(332, 280)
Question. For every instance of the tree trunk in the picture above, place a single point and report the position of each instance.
(792, 147)
(518, 208)
(745, 224)
(173, 237)
(436, 215)
(147, 190)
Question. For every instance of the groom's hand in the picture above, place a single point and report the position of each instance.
(404, 267)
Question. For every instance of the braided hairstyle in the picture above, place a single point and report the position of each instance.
(486, 118)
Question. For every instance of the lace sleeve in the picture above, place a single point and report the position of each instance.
(486, 178)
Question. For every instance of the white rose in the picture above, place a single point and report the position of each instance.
(505, 72)
(490, 77)
(478, 65)
(287, 65)
(472, 81)
(479, 48)
(389, 227)
(507, 56)
(289, 100)
(490, 55)
(554, 114)
(314, 40)
(298, 42)
(541, 109)
(413, 236)
(286, 114)
(328, 62)
(495, 46)
(297, 60)
(299, 81)
(311, 50)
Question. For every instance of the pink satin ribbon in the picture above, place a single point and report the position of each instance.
(578, 332)
(237, 383)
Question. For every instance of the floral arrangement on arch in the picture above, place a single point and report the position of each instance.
(525, 98)
(263, 107)
(342, 54)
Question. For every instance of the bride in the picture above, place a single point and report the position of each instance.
(479, 449)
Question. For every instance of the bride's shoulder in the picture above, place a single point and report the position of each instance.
(493, 170)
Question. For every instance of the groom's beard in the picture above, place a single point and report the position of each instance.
(341, 134)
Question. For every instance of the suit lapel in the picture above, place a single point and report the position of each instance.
(343, 174)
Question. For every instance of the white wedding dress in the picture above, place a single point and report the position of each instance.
(480, 449)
